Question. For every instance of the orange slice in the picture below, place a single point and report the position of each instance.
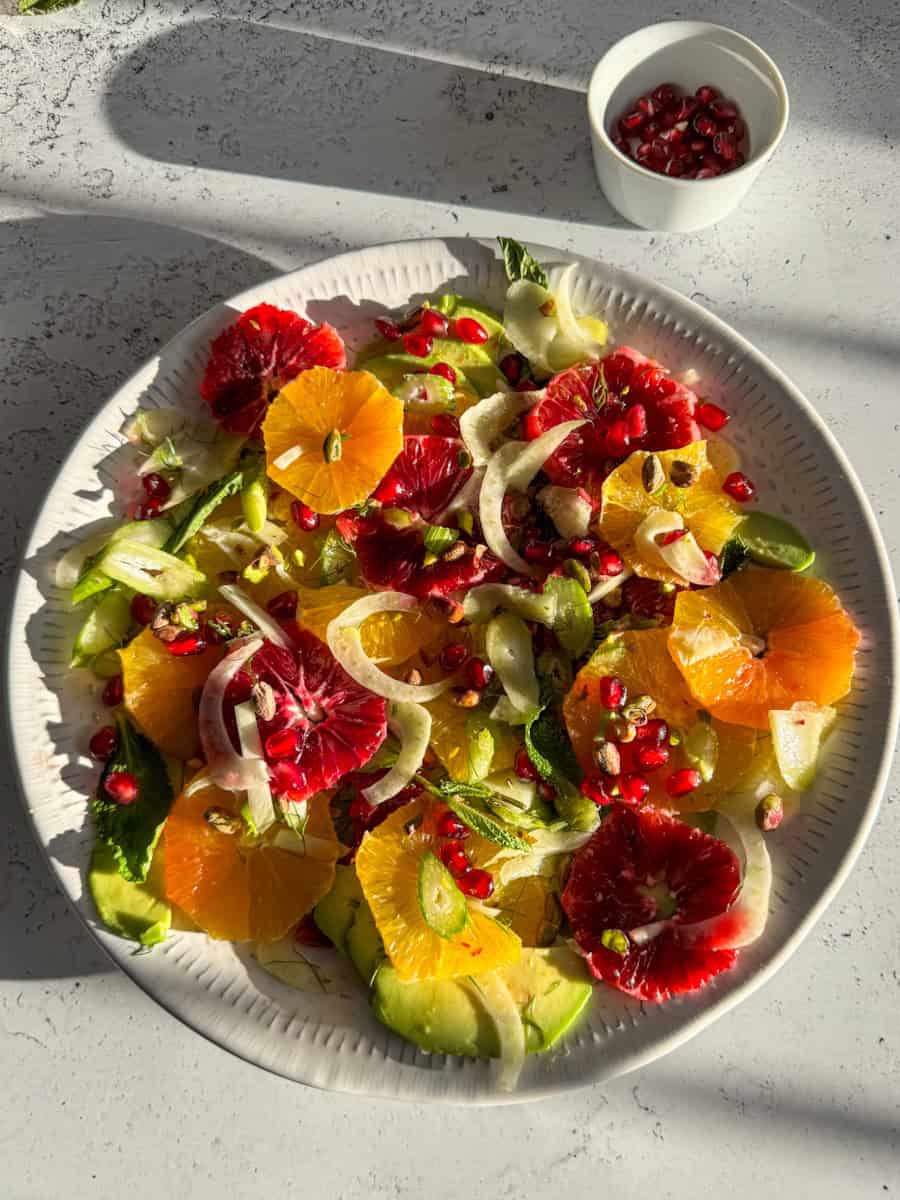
(331, 435)
(160, 692)
(387, 864)
(388, 638)
(461, 750)
(237, 887)
(705, 509)
(641, 659)
(763, 639)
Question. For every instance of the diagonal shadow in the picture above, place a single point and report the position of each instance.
(249, 98)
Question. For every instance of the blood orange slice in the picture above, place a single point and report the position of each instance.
(255, 357)
(643, 867)
(630, 402)
(323, 726)
(426, 475)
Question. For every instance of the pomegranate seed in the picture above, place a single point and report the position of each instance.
(113, 691)
(478, 673)
(455, 858)
(683, 781)
(546, 791)
(537, 552)
(281, 744)
(444, 370)
(450, 826)
(651, 758)
(688, 160)
(581, 547)
(723, 110)
(674, 535)
(650, 131)
(642, 153)
(656, 730)
(708, 172)
(665, 95)
(444, 425)
(636, 420)
(596, 788)
(686, 108)
(104, 743)
(143, 609)
(435, 324)
(287, 777)
(149, 509)
(646, 105)
(707, 93)
(633, 788)
(617, 439)
(283, 607)
(739, 487)
(675, 168)
(724, 145)
(523, 766)
(454, 655)
(668, 121)
(739, 160)
(631, 123)
(526, 385)
(511, 366)
(192, 641)
(471, 331)
(122, 787)
(610, 564)
(239, 688)
(304, 517)
(621, 145)
(705, 125)
(613, 692)
(698, 145)
(711, 416)
(156, 486)
(388, 330)
(419, 345)
(476, 883)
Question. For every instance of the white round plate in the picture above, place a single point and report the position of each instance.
(332, 1041)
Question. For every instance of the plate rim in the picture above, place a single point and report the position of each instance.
(697, 1022)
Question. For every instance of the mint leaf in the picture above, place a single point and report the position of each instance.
(44, 6)
(455, 787)
(486, 827)
(202, 509)
(336, 558)
(439, 538)
(132, 830)
(519, 263)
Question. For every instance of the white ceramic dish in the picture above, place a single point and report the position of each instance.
(689, 53)
(331, 1041)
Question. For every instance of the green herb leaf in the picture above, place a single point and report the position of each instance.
(519, 263)
(337, 559)
(132, 830)
(455, 787)
(733, 556)
(439, 538)
(202, 509)
(486, 826)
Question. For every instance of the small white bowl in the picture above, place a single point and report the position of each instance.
(687, 53)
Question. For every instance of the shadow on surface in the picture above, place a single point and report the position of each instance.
(248, 98)
(83, 300)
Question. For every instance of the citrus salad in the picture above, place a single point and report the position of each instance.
(473, 661)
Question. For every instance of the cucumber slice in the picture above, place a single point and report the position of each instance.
(106, 626)
(442, 903)
(774, 542)
(93, 580)
(149, 570)
(392, 370)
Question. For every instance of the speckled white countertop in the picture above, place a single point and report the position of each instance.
(156, 156)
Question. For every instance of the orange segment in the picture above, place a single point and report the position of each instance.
(388, 638)
(763, 639)
(345, 429)
(641, 659)
(387, 864)
(706, 510)
(236, 887)
(160, 691)
(452, 743)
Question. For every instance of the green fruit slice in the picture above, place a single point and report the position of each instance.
(797, 734)
(392, 369)
(773, 542)
(442, 903)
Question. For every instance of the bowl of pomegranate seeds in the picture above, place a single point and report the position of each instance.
(684, 115)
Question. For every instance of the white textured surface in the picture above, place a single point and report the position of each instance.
(243, 143)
